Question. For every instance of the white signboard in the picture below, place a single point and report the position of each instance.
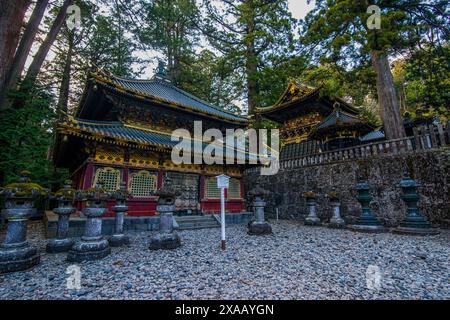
(223, 181)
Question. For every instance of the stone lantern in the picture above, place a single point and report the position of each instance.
(414, 223)
(92, 245)
(65, 198)
(367, 221)
(312, 219)
(16, 254)
(336, 220)
(121, 195)
(167, 238)
(259, 226)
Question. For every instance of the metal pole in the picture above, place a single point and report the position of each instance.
(222, 215)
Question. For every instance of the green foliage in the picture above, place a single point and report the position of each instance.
(211, 78)
(99, 41)
(169, 27)
(340, 26)
(427, 77)
(26, 136)
(108, 48)
(256, 38)
(336, 34)
(274, 77)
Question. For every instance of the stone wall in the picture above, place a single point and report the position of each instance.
(430, 168)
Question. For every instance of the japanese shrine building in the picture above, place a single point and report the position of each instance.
(312, 122)
(121, 131)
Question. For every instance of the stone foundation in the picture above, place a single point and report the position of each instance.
(430, 168)
(131, 224)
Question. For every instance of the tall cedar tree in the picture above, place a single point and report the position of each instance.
(169, 27)
(340, 27)
(22, 52)
(12, 14)
(44, 48)
(96, 42)
(251, 33)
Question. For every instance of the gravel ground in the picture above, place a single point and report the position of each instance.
(297, 262)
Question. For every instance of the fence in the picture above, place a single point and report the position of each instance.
(424, 138)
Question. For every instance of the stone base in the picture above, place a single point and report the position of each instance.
(416, 231)
(312, 222)
(89, 250)
(165, 241)
(368, 228)
(259, 228)
(14, 259)
(336, 224)
(118, 240)
(59, 245)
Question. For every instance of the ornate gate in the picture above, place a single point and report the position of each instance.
(188, 184)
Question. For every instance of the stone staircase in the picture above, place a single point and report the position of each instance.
(196, 222)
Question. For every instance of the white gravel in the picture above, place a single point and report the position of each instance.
(296, 262)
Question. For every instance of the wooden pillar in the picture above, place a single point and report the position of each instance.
(126, 175)
(88, 175)
(160, 180)
(202, 191)
(242, 194)
(202, 187)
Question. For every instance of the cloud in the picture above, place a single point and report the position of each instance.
(299, 8)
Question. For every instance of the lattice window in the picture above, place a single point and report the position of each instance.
(211, 190)
(234, 190)
(109, 177)
(142, 183)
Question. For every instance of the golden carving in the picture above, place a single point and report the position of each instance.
(109, 156)
(308, 120)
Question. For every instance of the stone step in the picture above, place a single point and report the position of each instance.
(196, 222)
(185, 218)
(200, 226)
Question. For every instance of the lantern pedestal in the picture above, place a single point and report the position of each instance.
(92, 245)
(166, 239)
(119, 239)
(256, 228)
(61, 243)
(367, 222)
(336, 221)
(312, 219)
(18, 258)
(260, 226)
(15, 253)
(414, 223)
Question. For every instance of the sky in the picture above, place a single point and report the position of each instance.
(299, 8)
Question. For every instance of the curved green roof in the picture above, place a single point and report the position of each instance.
(163, 89)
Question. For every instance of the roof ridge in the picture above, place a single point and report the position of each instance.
(190, 95)
(171, 85)
(97, 122)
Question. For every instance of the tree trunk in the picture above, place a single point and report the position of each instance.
(40, 56)
(65, 82)
(22, 51)
(251, 63)
(12, 14)
(387, 97)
